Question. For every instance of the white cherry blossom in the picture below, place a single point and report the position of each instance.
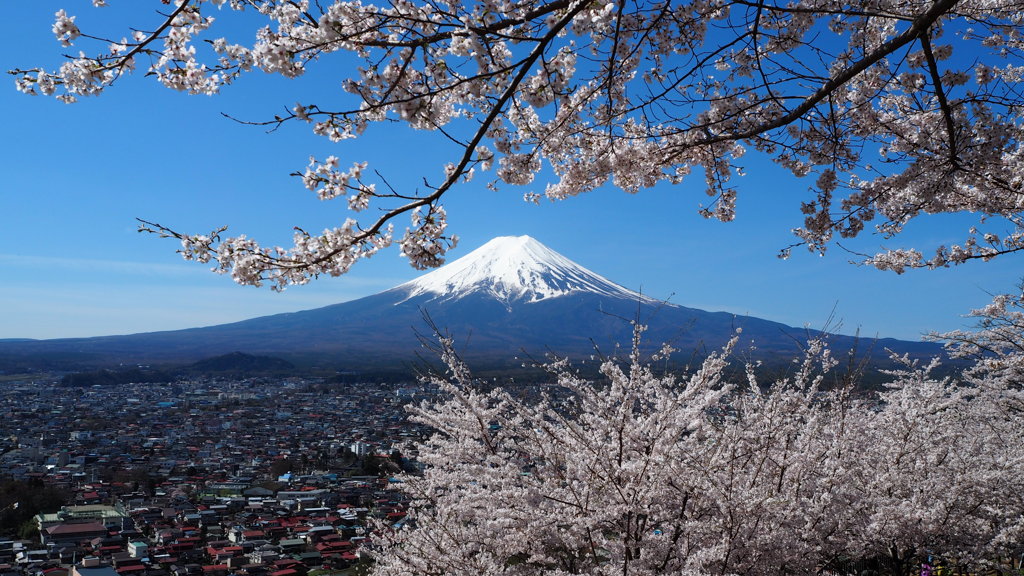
(898, 110)
(647, 473)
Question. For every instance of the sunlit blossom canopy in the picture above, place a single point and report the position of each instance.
(645, 473)
(895, 109)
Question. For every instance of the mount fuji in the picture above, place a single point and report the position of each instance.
(513, 270)
(513, 295)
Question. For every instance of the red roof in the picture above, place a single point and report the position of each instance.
(328, 547)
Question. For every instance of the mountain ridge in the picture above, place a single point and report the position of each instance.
(511, 296)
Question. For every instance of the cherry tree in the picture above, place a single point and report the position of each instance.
(996, 345)
(646, 473)
(594, 484)
(937, 471)
(895, 109)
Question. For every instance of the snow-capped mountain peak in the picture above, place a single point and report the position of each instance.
(513, 269)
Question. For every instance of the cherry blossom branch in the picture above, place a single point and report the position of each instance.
(918, 27)
(140, 47)
(947, 113)
(422, 245)
(624, 94)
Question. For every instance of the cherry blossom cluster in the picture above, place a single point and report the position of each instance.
(875, 103)
(995, 348)
(425, 243)
(328, 182)
(647, 473)
(331, 252)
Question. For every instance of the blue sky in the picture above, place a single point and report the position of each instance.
(76, 177)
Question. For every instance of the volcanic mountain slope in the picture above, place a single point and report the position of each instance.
(511, 295)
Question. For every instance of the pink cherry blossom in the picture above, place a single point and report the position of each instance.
(898, 110)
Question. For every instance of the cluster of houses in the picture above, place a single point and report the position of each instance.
(207, 478)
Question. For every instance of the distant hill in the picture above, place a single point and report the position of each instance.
(506, 302)
(241, 363)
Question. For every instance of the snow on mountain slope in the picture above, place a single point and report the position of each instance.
(514, 269)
